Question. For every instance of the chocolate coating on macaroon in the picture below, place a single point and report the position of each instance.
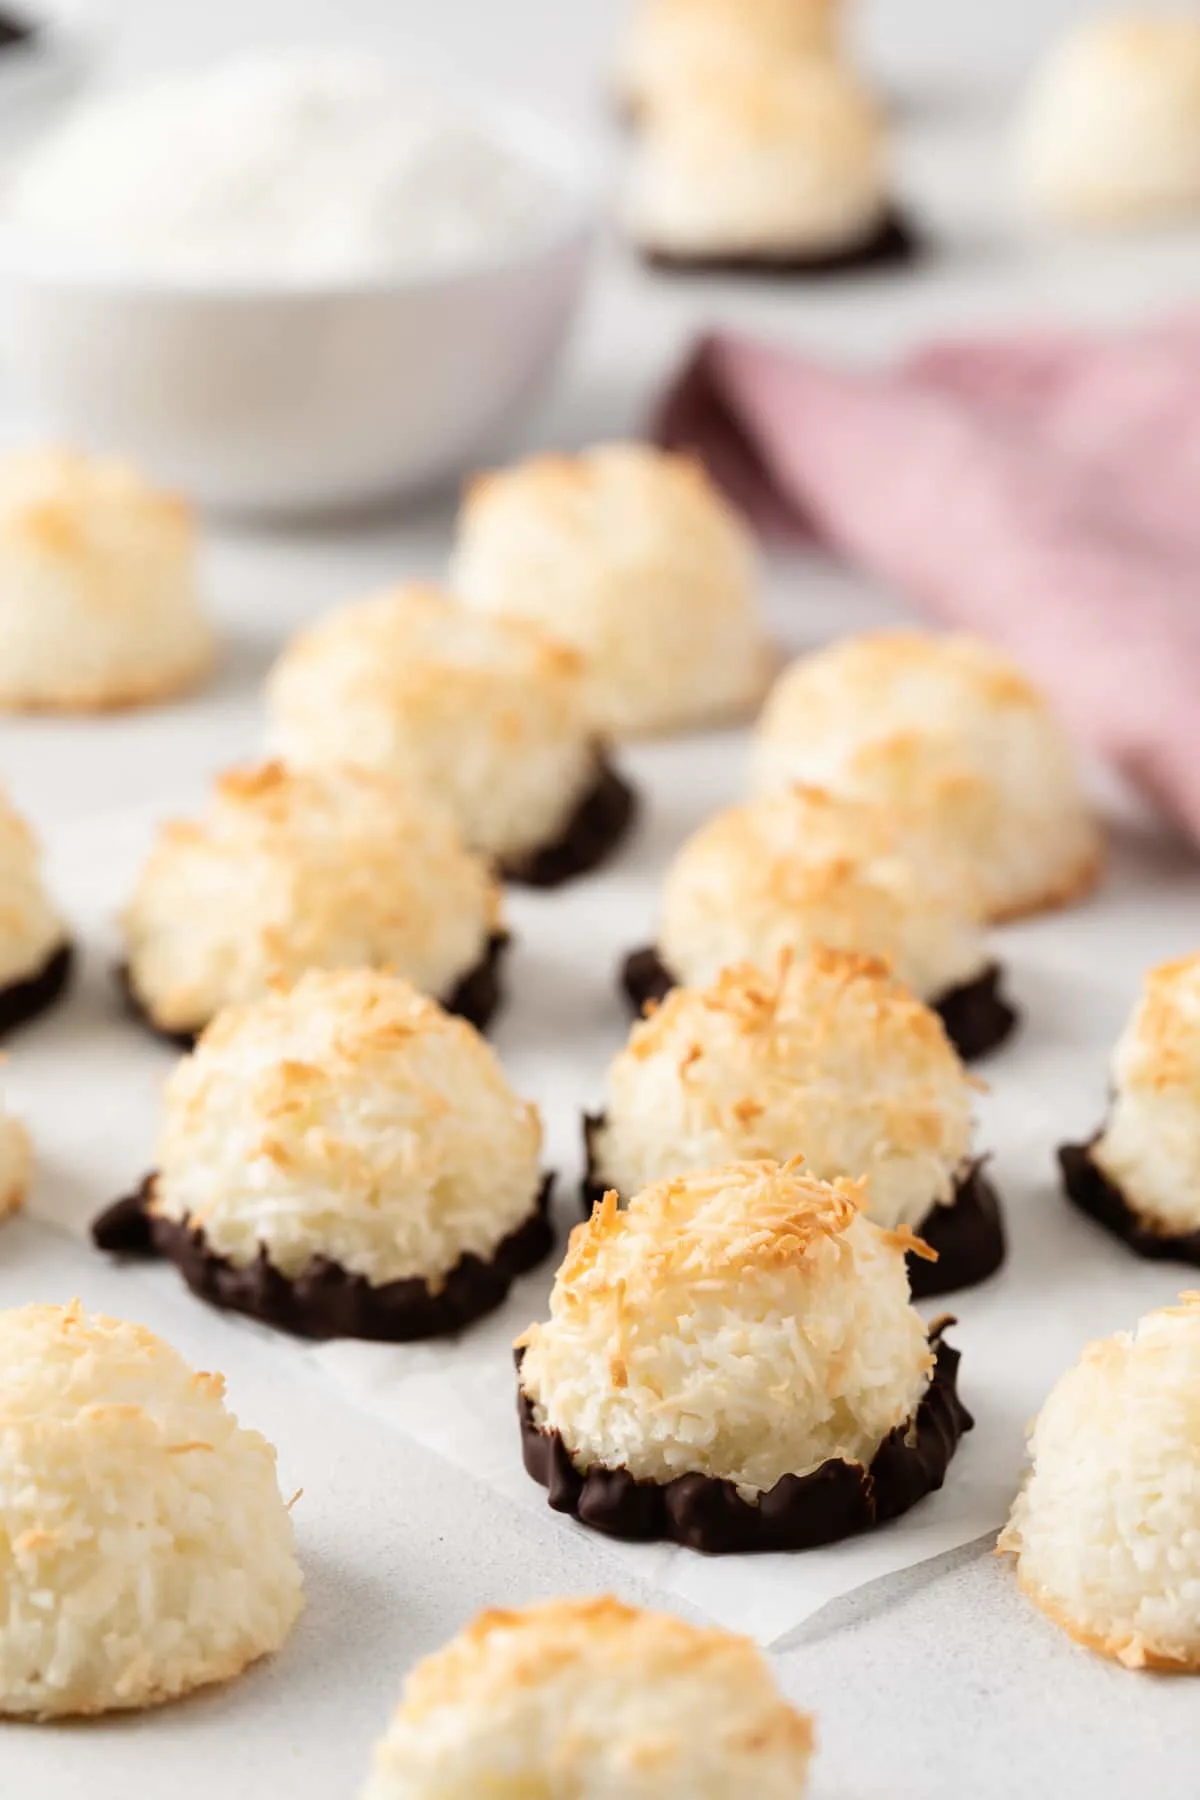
(23, 1001)
(326, 1301)
(895, 244)
(704, 1513)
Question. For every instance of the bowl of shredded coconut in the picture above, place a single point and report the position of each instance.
(292, 283)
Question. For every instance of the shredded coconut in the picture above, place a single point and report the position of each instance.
(279, 169)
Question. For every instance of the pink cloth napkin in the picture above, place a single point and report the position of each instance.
(1042, 492)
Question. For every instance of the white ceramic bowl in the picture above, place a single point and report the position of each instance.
(303, 398)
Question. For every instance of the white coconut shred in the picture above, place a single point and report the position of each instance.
(283, 169)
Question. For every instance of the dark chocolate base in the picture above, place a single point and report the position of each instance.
(645, 979)
(703, 1512)
(475, 999)
(327, 1301)
(599, 823)
(478, 995)
(895, 244)
(15, 31)
(24, 1000)
(1090, 1189)
(968, 1235)
(976, 1015)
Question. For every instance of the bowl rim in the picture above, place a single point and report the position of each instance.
(568, 163)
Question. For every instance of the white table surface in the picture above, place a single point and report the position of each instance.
(937, 1682)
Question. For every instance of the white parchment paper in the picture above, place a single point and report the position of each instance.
(89, 1082)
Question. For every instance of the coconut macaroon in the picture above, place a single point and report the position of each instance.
(805, 868)
(733, 1362)
(631, 556)
(35, 956)
(598, 1700)
(489, 716)
(1110, 132)
(670, 45)
(147, 1548)
(290, 870)
(343, 1159)
(1106, 1529)
(950, 734)
(16, 1162)
(828, 1057)
(766, 165)
(98, 591)
(1140, 1176)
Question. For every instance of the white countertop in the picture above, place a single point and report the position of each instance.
(936, 1682)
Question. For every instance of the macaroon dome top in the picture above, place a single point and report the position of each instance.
(760, 158)
(294, 869)
(1106, 1530)
(616, 1703)
(98, 603)
(672, 43)
(828, 1055)
(950, 732)
(1110, 130)
(1150, 1146)
(30, 928)
(150, 1549)
(630, 555)
(487, 715)
(348, 1118)
(672, 1345)
(802, 868)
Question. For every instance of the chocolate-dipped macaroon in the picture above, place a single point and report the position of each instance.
(1106, 1529)
(636, 560)
(486, 715)
(803, 868)
(828, 1057)
(596, 1700)
(949, 734)
(16, 1162)
(343, 1159)
(766, 165)
(296, 869)
(1140, 1175)
(732, 1362)
(35, 954)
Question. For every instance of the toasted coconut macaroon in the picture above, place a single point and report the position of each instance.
(733, 1362)
(489, 716)
(769, 166)
(631, 556)
(343, 1159)
(1110, 132)
(947, 731)
(804, 868)
(290, 870)
(597, 1700)
(16, 1162)
(98, 594)
(147, 1548)
(828, 1057)
(35, 956)
(670, 45)
(1140, 1176)
(1106, 1529)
